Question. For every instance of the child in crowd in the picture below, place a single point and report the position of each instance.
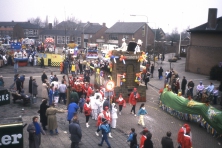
(141, 114)
(121, 102)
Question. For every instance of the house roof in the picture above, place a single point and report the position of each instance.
(92, 29)
(28, 25)
(60, 32)
(9, 23)
(203, 27)
(125, 27)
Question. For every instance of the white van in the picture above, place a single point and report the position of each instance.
(108, 47)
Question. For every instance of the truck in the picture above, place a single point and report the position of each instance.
(108, 47)
(92, 51)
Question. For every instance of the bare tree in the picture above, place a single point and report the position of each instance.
(36, 21)
(185, 34)
(173, 37)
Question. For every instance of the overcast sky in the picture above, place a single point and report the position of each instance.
(165, 14)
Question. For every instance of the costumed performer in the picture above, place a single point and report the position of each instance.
(134, 96)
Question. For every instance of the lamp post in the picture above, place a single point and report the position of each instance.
(147, 28)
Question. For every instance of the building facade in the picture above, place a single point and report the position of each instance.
(205, 48)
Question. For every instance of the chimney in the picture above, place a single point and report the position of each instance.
(104, 24)
(50, 25)
(212, 18)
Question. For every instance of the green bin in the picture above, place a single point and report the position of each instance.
(4, 96)
(11, 132)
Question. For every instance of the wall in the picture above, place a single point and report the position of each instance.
(204, 52)
(98, 35)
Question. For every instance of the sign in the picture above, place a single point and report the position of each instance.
(4, 97)
(110, 85)
(11, 135)
(113, 41)
(100, 40)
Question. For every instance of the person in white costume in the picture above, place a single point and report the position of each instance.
(124, 46)
(113, 115)
(139, 44)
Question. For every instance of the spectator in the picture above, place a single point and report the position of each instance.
(72, 109)
(75, 131)
(148, 143)
(22, 79)
(132, 139)
(62, 92)
(42, 111)
(35, 131)
(152, 70)
(15, 66)
(55, 79)
(183, 85)
(18, 85)
(34, 88)
(167, 141)
(30, 85)
(190, 86)
(143, 138)
(44, 77)
(160, 73)
(2, 83)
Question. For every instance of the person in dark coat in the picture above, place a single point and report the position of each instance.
(183, 85)
(160, 73)
(148, 143)
(80, 67)
(75, 131)
(166, 141)
(66, 66)
(147, 79)
(152, 70)
(18, 85)
(190, 86)
(34, 88)
(132, 139)
(42, 111)
(30, 85)
(44, 77)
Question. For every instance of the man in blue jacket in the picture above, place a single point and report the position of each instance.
(72, 109)
(75, 131)
(105, 130)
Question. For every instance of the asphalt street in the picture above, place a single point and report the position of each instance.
(157, 120)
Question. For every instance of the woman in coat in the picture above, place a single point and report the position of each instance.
(51, 118)
(30, 85)
(35, 131)
(34, 88)
(42, 111)
(160, 73)
(44, 90)
(113, 115)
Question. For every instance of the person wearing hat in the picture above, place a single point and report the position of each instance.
(134, 96)
(181, 134)
(187, 143)
(124, 46)
(87, 111)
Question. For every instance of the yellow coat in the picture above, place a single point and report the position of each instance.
(73, 67)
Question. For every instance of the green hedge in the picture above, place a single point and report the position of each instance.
(216, 73)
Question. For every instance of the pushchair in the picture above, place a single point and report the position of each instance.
(16, 96)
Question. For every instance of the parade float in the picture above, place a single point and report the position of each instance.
(49, 45)
(92, 51)
(72, 49)
(20, 55)
(50, 59)
(187, 109)
(124, 70)
(26, 43)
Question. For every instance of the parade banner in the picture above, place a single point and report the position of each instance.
(210, 114)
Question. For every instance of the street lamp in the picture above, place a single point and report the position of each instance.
(147, 27)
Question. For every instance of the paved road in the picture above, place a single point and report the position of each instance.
(157, 121)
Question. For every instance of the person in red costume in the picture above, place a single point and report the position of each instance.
(121, 102)
(187, 143)
(134, 96)
(181, 134)
(87, 111)
(88, 90)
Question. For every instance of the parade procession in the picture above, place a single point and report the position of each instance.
(74, 84)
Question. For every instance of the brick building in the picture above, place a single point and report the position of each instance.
(130, 30)
(205, 48)
(6, 28)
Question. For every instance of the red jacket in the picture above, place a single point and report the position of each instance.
(142, 140)
(186, 142)
(106, 116)
(87, 109)
(89, 92)
(180, 135)
(120, 102)
(133, 99)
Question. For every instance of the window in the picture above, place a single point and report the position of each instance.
(67, 40)
(40, 38)
(126, 37)
(30, 32)
(59, 40)
(79, 40)
(113, 37)
(143, 31)
(35, 32)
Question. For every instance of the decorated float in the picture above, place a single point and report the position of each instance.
(187, 109)
(20, 55)
(72, 49)
(92, 51)
(49, 45)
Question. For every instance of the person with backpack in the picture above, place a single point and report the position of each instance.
(132, 139)
(105, 128)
